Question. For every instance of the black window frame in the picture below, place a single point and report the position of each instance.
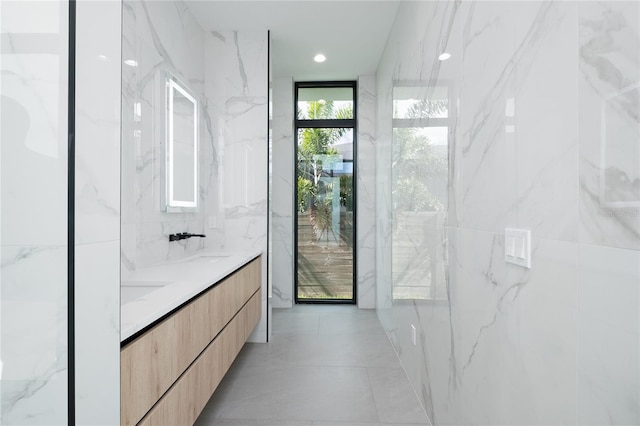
(326, 124)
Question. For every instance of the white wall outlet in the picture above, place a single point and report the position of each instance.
(414, 336)
(517, 247)
(213, 222)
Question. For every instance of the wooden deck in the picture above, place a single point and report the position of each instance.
(325, 268)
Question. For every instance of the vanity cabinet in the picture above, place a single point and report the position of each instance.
(169, 372)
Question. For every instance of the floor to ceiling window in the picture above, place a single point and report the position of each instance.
(325, 192)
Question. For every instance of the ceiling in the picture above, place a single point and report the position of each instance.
(351, 34)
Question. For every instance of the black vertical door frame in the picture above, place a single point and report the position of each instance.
(330, 123)
(71, 150)
(269, 174)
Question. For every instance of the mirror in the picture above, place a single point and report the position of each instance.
(181, 148)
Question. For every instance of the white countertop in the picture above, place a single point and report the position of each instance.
(150, 293)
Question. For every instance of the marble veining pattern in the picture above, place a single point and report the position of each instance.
(228, 73)
(609, 38)
(159, 37)
(366, 202)
(97, 212)
(236, 89)
(33, 246)
(283, 164)
(496, 343)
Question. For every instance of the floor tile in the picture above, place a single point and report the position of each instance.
(252, 354)
(295, 323)
(348, 323)
(363, 350)
(395, 399)
(296, 393)
(322, 309)
(326, 365)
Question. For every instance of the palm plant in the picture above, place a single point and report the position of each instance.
(315, 146)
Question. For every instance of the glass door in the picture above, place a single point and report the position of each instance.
(325, 220)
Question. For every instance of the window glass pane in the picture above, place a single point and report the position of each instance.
(325, 214)
(420, 102)
(321, 103)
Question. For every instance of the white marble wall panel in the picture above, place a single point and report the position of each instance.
(609, 336)
(97, 332)
(510, 347)
(97, 212)
(544, 139)
(34, 90)
(157, 37)
(488, 87)
(366, 193)
(33, 212)
(34, 334)
(609, 126)
(237, 99)
(282, 193)
(384, 114)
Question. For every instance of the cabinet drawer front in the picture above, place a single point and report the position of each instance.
(154, 361)
(182, 404)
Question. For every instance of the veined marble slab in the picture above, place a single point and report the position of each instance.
(542, 133)
(187, 278)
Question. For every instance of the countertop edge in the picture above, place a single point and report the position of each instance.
(138, 316)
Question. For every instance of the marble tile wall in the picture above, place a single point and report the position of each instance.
(157, 37)
(34, 213)
(236, 89)
(33, 177)
(608, 131)
(366, 195)
(283, 164)
(229, 74)
(97, 212)
(542, 134)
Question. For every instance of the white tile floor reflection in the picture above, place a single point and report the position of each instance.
(325, 366)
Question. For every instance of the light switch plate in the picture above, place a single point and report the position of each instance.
(517, 247)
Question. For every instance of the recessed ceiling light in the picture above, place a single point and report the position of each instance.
(103, 58)
(319, 58)
(444, 56)
(131, 63)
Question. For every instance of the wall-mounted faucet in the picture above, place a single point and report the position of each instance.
(184, 236)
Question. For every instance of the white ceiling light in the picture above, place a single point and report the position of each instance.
(131, 63)
(444, 56)
(319, 58)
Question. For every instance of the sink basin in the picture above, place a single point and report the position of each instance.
(132, 290)
(129, 293)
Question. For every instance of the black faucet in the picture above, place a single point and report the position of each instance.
(184, 236)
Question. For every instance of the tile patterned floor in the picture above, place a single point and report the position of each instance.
(326, 365)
